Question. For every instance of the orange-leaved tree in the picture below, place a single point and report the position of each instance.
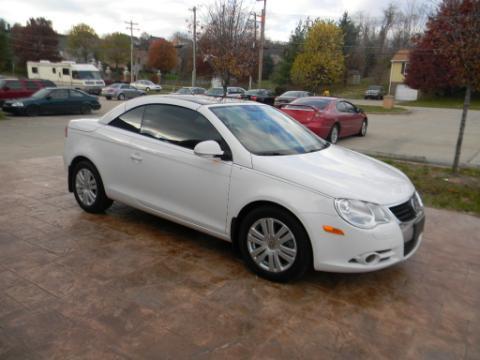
(162, 55)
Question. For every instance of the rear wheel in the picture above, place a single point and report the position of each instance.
(274, 244)
(32, 110)
(88, 188)
(147, 89)
(333, 137)
(121, 97)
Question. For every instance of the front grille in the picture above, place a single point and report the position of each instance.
(404, 212)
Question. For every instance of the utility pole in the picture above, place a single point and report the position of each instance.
(262, 43)
(254, 45)
(194, 70)
(130, 27)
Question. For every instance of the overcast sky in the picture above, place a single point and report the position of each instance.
(164, 17)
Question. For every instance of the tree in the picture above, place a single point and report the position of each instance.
(267, 66)
(321, 62)
(36, 41)
(350, 40)
(115, 49)
(82, 42)
(227, 40)
(5, 52)
(282, 72)
(162, 55)
(452, 35)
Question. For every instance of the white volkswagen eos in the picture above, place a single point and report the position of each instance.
(247, 173)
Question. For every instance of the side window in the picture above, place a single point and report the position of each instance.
(124, 87)
(349, 107)
(177, 125)
(35, 70)
(14, 85)
(341, 106)
(59, 94)
(131, 120)
(76, 94)
(31, 85)
(65, 71)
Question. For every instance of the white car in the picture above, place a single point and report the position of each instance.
(146, 85)
(247, 173)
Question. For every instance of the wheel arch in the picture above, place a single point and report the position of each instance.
(74, 162)
(237, 220)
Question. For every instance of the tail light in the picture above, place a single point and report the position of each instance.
(253, 97)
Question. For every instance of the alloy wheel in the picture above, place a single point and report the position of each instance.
(271, 245)
(334, 135)
(86, 186)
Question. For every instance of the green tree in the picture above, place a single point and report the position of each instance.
(350, 42)
(115, 49)
(5, 51)
(321, 61)
(82, 42)
(267, 66)
(281, 75)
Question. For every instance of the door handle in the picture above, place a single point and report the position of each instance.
(136, 157)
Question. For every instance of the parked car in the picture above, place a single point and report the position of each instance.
(53, 101)
(121, 91)
(374, 92)
(260, 95)
(330, 118)
(232, 92)
(289, 96)
(190, 90)
(246, 172)
(21, 88)
(146, 85)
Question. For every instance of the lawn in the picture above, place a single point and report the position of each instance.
(450, 103)
(373, 109)
(441, 189)
(2, 115)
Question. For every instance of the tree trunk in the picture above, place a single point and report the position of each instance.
(458, 148)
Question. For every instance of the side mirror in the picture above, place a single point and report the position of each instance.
(208, 149)
(360, 110)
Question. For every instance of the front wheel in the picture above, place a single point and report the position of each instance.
(274, 244)
(147, 89)
(121, 97)
(363, 129)
(333, 137)
(88, 188)
(85, 109)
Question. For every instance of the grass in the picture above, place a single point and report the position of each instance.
(373, 109)
(440, 188)
(442, 102)
(2, 115)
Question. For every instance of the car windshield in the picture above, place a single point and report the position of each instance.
(318, 103)
(41, 93)
(184, 91)
(86, 75)
(263, 130)
(375, 87)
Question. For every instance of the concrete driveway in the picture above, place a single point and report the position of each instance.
(424, 134)
(127, 285)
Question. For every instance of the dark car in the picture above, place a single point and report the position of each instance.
(20, 88)
(121, 91)
(260, 95)
(53, 101)
(374, 92)
(330, 118)
(289, 96)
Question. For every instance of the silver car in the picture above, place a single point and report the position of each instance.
(146, 85)
(190, 90)
(121, 91)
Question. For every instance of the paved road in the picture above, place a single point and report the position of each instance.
(425, 134)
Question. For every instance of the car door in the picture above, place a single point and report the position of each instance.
(171, 178)
(353, 118)
(57, 102)
(343, 118)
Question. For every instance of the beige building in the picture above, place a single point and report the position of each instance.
(398, 71)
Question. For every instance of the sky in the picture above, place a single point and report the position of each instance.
(162, 18)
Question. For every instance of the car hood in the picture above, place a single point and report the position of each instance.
(340, 173)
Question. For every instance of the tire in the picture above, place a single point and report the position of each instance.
(88, 188)
(108, 97)
(85, 109)
(147, 89)
(363, 129)
(381, 97)
(121, 97)
(32, 110)
(288, 261)
(334, 134)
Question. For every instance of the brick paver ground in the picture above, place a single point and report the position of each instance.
(128, 285)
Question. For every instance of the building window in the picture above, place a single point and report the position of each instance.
(54, 71)
(404, 68)
(66, 71)
(35, 70)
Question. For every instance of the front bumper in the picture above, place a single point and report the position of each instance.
(361, 250)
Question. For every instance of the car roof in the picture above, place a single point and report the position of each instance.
(202, 99)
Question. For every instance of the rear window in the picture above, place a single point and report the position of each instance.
(14, 84)
(47, 83)
(318, 103)
(31, 85)
(292, 93)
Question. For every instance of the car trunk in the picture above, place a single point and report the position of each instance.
(301, 113)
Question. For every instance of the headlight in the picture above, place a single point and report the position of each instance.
(17, 104)
(362, 214)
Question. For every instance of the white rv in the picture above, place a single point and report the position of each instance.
(67, 73)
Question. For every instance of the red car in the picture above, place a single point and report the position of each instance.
(328, 117)
(21, 88)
